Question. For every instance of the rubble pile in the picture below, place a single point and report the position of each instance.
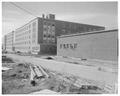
(68, 84)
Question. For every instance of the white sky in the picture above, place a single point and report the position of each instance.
(95, 13)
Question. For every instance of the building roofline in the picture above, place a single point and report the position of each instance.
(27, 23)
(87, 33)
(61, 21)
(83, 24)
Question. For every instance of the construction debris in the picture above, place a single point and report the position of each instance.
(37, 72)
(28, 78)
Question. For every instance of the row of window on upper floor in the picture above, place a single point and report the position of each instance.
(49, 32)
(9, 44)
(49, 40)
(23, 38)
(23, 43)
(48, 23)
(23, 33)
(80, 28)
(48, 36)
(48, 28)
(9, 37)
(8, 47)
(22, 47)
(26, 28)
(9, 40)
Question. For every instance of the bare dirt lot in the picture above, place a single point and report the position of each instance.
(17, 81)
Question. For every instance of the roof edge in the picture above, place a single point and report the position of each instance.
(86, 33)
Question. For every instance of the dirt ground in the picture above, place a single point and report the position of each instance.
(17, 81)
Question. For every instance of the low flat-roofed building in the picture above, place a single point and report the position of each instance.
(102, 45)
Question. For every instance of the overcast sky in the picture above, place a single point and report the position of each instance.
(95, 13)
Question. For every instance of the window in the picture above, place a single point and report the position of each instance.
(49, 35)
(34, 24)
(45, 29)
(74, 46)
(89, 29)
(64, 45)
(60, 45)
(29, 26)
(45, 23)
(44, 35)
(53, 39)
(53, 36)
(67, 45)
(71, 46)
(63, 30)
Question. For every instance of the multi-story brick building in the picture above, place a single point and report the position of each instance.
(39, 35)
(9, 41)
(35, 36)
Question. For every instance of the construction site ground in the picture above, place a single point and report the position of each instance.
(67, 75)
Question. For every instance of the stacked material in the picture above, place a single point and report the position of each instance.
(37, 72)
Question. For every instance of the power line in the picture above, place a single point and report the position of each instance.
(22, 9)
